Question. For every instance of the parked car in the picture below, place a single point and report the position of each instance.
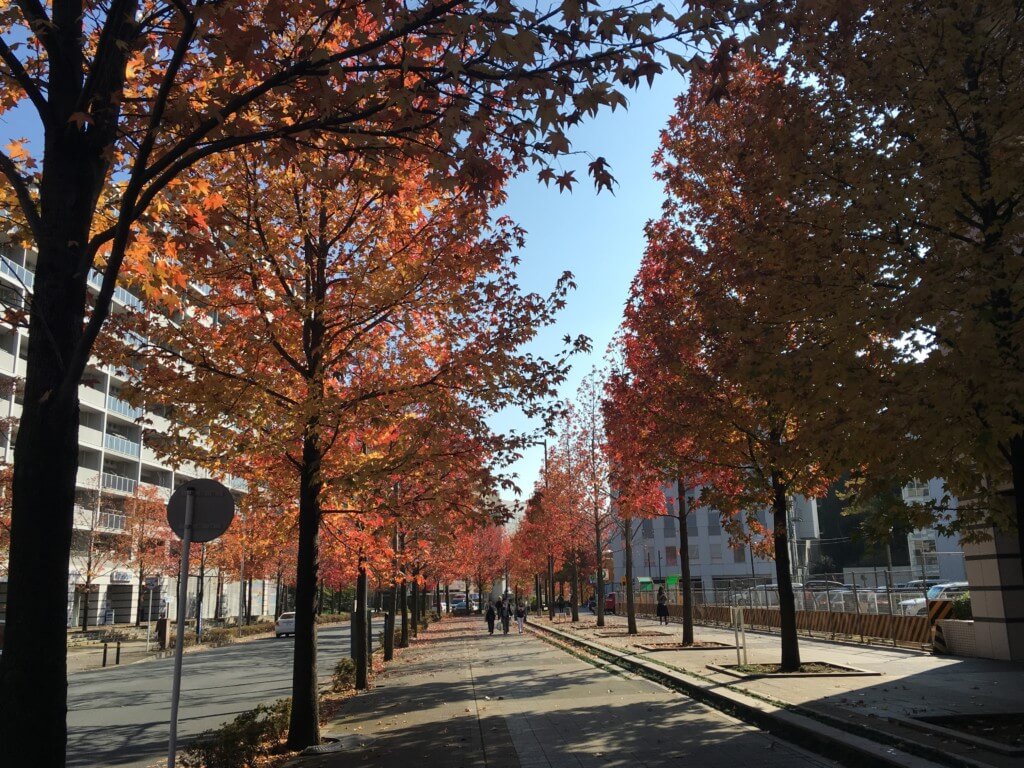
(918, 606)
(285, 624)
(458, 606)
(825, 585)
(917, 585)
(609, 602)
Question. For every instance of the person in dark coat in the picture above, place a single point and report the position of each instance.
(506, 615)
(662, 606)
(490, 616)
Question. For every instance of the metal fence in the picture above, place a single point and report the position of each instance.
(878, 593)
(913, 631)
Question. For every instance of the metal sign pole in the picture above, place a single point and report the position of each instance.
(179, 635)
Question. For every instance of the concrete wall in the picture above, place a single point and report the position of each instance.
(997, 597)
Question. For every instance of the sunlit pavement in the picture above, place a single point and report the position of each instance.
(460, 697)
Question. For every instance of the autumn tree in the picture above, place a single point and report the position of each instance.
(589, 443)
(341, 310)
(129, 96)
(148, 534)
(766, 420)
(636, 491)
(918, 252)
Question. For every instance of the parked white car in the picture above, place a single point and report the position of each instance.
(918, 606)
(285, 624)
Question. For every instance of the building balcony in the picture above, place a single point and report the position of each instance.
(119, 483)
(121, 408)
(122, 445)
(90, 436)
(120, 294)
(20, 274)
(111, 521)
(92, 397)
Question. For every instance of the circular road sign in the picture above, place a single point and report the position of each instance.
(213, 512)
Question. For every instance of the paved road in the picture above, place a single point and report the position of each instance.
(118, 716)
(464, 699)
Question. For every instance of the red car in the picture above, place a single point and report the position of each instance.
(609, 603)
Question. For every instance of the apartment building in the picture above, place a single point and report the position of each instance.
(714, 564)
(933, 555)
(114, 463)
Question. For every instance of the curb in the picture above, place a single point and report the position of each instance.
(851, 744)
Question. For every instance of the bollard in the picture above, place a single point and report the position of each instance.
(104, 654)
(117, 654)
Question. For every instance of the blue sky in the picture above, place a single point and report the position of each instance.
(598, 237)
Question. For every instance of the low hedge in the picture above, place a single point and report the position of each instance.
(332, 618)
(344, 677)
(240, 743)
(962, 607)
(220, 636)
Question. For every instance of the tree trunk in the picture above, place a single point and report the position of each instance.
(304, 726)
(33, 667)
(403, 641)
(389, 625)
(574, 596)
(599, 586)
(359, 631)
(447, 599)
(217, 608)
(1017, 473)
(551, 588)
(139, 602)
(787, 605)
(415, 607)
(684, 565)
(627, 527)
(248, 602)
(85, 604)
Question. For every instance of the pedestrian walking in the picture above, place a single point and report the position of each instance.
(520, 615)
(506, 616)
(490, 616)
(560, 604)
(662, 606)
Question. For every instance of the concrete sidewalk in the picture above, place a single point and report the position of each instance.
(908, 685)
(459, 697)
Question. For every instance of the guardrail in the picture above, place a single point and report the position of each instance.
(124, 409)
(898, 630)
(18, 272)
(118, 483)
(122, 445)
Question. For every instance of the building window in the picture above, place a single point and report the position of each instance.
(694, 553)
(671, 555)
(691, 524)
(714, 522)
(739, 555)
(716, 552)
(916, 491)
(647, 527)
(670, 527)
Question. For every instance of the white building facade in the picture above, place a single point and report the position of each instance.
(933, 555)
(114, 463)
(715, 565)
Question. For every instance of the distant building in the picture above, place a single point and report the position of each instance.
(713, 562)
(932, 554)
(114, 463)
